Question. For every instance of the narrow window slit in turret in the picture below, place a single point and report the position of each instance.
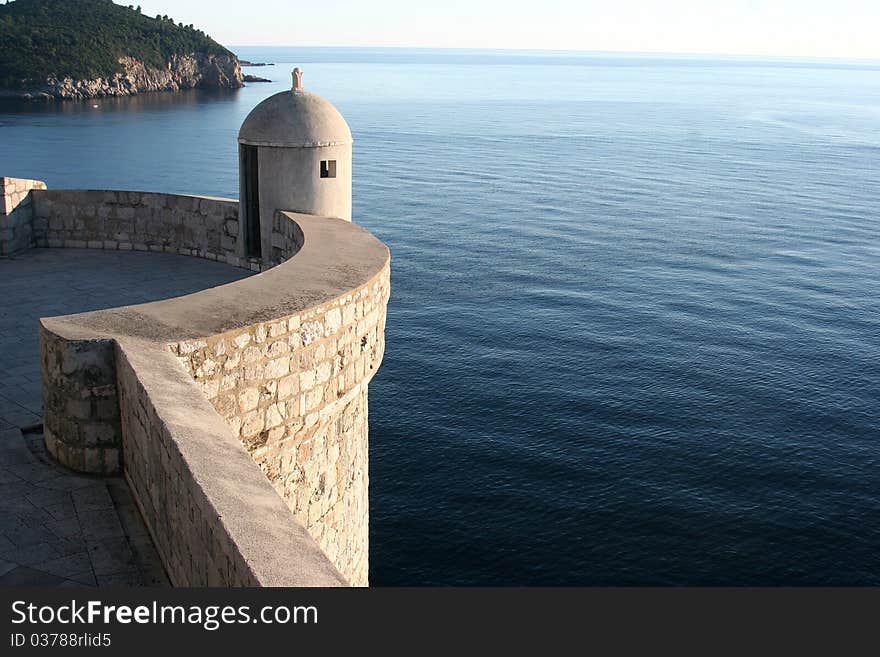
(251, 205)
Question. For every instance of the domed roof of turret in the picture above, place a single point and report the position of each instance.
(294, 119)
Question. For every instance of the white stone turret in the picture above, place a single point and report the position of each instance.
(295, 155)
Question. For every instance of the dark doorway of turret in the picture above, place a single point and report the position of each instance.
(251, 202)
(328, 168)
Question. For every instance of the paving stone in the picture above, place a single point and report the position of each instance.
(67, 546)
(68, 567)
(11, 524)
(66, 483)
(34, 516)
(100, 523)
(34, 473)
(23, 576)
(91, 498)
(61, 511)
(147, 562)
(12, 448)
(127, 579)
(15, 505)
(25, 536)
(21, 417)
(66, 528)
(127, 510)
(7, 477)
(85, 578)
(70, 584)
(46, 498)
(111, 556)
(30, 554)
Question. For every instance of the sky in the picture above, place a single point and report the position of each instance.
(796, 28)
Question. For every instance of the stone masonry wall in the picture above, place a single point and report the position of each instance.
(81, 409)
(214, 518)
(286, 239)
(16, 229)
(142, 221)
(292, 390)
(295, 391)
(80, 404)
(195, 550)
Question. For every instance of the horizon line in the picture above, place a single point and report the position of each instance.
(875, 59)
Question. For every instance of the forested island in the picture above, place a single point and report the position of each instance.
(90, 48)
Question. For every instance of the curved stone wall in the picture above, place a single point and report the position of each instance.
(214, 518)
(80, 402)
(16, 227)
(201, 226)
(295, 391)
(81, 409)
(220, 404)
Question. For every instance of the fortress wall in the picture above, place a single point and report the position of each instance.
(238, 414)
(80, 404)
(81, 408)
(200, 226)
(286, 239)
(186, 531)
(16, 226)
(294, 391)
(214, 518)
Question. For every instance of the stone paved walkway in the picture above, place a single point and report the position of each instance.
(49, 282)
(58, 528)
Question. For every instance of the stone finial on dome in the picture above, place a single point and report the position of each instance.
(294, 119)
(297, 79)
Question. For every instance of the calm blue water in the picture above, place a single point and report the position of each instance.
(635, 327)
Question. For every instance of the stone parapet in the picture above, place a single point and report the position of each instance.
(201, 226)
(80, 403)
(294, 390)
(214, 518)
(239, 412)
(16, 214)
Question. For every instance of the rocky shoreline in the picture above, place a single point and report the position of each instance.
(196, 70)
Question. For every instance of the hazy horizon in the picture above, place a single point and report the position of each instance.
(785, 28)
(559, 51)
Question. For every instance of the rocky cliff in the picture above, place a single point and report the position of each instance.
(182, 72)
(90, 48)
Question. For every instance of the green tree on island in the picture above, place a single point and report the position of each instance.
(84, 39)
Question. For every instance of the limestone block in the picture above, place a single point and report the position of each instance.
(248, 399)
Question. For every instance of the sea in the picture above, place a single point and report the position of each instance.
(634, 332)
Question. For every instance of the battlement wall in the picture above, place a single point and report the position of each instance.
(238, 414)
(16, 225)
